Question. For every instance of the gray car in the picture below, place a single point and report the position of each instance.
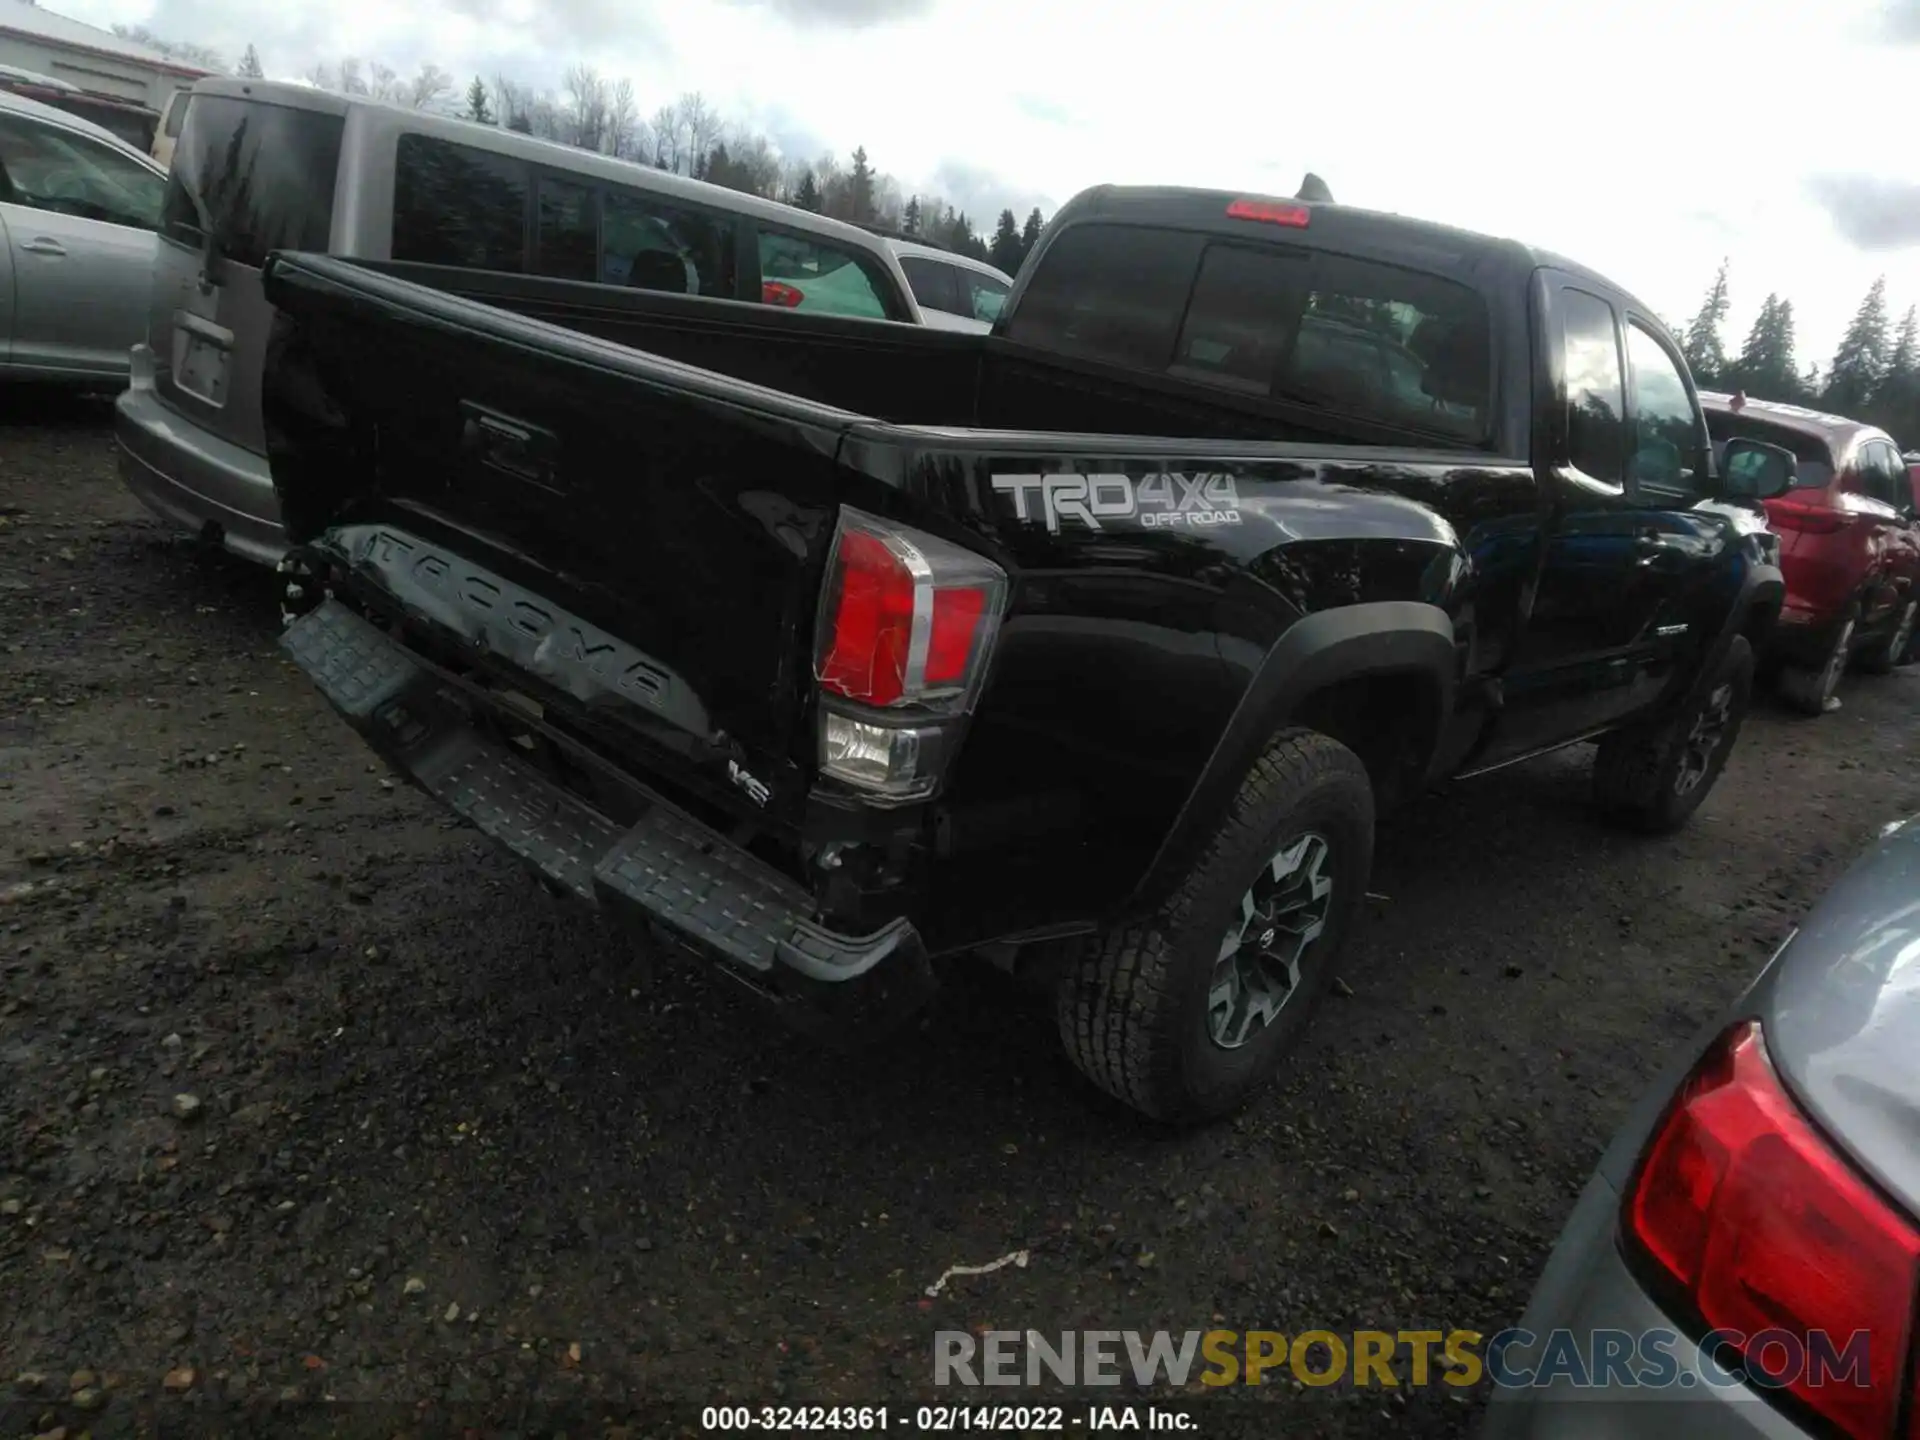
(79, 209)
(1746, 1260)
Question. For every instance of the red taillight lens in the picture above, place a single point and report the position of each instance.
(1807, 519)
(906, 618)
(778, 292)
(872, 623)
(1273, 212)
(1766, 1229)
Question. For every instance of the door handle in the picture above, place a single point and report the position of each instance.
(44, 245)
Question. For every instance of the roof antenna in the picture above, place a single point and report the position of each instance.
(1314, 190)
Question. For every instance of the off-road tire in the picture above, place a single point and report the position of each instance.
(1807, 689)
(1884, 658)
(1636, 770)
(1133, 1003)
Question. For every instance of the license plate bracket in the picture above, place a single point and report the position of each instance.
(200, 366)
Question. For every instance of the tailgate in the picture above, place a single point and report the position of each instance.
(642, 541)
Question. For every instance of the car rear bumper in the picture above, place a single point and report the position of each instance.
(668, 872)
(1588, 1292)
(192, 478)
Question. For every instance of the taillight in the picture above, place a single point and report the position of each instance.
(1808, 519)
(906, 624)
(778, 292)
(1273, 212)
(1772, 1237)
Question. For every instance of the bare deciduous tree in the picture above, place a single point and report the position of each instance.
(666, 138)
(756, 167)
(623, 117)
(429, 87)
(584, 107)
(699, 130)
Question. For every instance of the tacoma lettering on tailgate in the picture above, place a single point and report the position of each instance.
(1152, 501)
(507, 620)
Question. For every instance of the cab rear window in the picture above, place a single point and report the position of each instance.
(262, 175)
(1377, 342)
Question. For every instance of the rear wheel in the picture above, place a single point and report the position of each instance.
(1653, 776)
(1884, 658)
(1184, 1014)
(1811, 689)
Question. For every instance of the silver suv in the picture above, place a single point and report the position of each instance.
(259, 167)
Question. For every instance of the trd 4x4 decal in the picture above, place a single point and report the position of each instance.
(1152, 500)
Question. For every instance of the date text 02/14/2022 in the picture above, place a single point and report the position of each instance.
(941, 1419)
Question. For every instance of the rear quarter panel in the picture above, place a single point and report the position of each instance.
(1148, 589)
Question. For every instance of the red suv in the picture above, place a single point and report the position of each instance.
(1849, 545)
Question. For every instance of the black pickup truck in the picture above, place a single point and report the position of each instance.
(836, 650)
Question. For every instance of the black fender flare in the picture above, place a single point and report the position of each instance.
(1374, 638)
(1763, 590)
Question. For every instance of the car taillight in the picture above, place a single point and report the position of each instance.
(1805, 518)
(906, 624)
(778, 292)
(1771, 1235)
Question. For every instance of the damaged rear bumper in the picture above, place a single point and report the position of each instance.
(667, 872)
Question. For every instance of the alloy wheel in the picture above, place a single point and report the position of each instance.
(1280, 917)
(1902, 634)
(1704, 739)
(1836, 665)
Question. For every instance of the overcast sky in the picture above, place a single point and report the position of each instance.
(1646, 138)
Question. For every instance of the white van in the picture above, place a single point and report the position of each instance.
(261, 166)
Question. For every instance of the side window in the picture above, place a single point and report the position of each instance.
(567, 243)
(986, 296)
(806, 274)
(1110, 292)
(651, 245)
(176, 112)
(455, 205)
(1596, 431)
(1666, 436)
(49, 169)
(932, 284)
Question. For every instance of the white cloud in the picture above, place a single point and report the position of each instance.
(1646, 141)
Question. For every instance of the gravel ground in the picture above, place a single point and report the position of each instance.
(446, 1143)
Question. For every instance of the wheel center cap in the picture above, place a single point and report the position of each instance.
(1266, 937)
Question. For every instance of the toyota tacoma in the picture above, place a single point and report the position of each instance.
(837, 651)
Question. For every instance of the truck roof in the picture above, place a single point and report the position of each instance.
(1442, 247)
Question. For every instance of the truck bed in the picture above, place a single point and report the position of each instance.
(611, 511)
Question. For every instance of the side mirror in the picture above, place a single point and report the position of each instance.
(1755, 470)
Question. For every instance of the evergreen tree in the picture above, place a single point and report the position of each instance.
(1765, 369)
(1897, 405)
(250, 65)
(1706, 355)
(1005, 249)
(910, 217)
(806, 195)
(1861, 361)
(477, 108)
(1030, 234)
(860, 189)
(1903, 365)
(718, 169)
